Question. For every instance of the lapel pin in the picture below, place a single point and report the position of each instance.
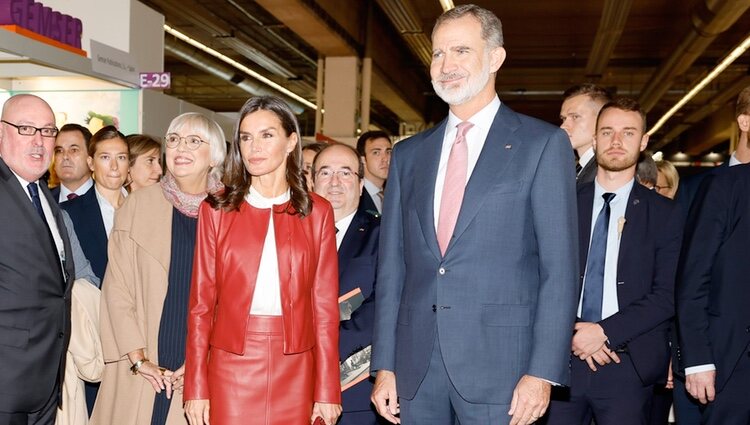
(508, 146)
(636, 201)
(361, 229)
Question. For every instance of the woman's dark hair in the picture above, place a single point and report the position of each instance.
(105, 133)
(236, 178)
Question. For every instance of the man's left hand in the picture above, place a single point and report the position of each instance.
(530, 400)
(588, 339)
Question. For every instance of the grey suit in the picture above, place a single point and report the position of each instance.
(501, 302)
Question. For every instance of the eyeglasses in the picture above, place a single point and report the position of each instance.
(30, 130)
(191, 142)
(657, 187)
(344, 175)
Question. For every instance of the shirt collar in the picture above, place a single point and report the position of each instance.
(586, 157)
(343, 224)
(371, 188)
(482, 119)
(621, 193)
(64, 191)
(257, 200)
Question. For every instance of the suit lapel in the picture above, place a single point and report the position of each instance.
(352, 240)
(69, 271)
(585, 207)
(635, 218)
(497, 151)
(424, 184)
(158, 215)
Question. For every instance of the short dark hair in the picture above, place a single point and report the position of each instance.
(79, 128)
(105, 133)
(314, 146)
(360, 168)
(593, 91)
(370, 135)
(624, 104)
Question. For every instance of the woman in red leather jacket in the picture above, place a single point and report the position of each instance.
(262, 343)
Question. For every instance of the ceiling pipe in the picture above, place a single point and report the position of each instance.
(709, 19)
(201, 61)
(614, 17)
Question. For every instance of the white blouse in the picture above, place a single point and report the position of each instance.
(267, 296)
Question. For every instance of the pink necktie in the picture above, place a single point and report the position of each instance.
(453, 187)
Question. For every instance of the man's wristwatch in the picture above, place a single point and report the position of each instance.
(137, 365)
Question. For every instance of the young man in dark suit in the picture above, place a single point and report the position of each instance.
(337, 174)
(35, 278)
(629, 247)
(712, 299)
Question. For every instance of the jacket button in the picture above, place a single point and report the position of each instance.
(60, 335)
(747, 329)
(441, 270)
(434, 308)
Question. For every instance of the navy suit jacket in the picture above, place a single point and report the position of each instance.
(712, 292)
(87, 219)
(501, 301)
(646, 268)
(366, 203)
(358, 261)
(34, 299)
(587, 174)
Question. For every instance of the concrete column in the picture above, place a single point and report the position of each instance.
(345, 109)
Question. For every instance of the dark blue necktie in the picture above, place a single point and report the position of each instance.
(34, 192)
(591, 310)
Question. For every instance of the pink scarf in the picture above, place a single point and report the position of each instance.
(187, 203)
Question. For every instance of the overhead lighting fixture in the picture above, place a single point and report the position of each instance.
(731, 57)
(226, 59)
(447, 5)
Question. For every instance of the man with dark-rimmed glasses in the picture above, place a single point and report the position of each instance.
(35, 278)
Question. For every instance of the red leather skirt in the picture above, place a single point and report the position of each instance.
(264, 386)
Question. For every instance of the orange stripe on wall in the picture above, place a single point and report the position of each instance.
(43, 39)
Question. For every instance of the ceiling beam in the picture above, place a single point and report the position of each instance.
(709, 19)
(712, 105)
(614, 17)
(714, 129)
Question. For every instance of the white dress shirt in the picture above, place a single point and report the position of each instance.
(59, 245)
(586, 157)
(267, 295)
(64, 191)
(617, 206)
(475, 139)
(107, 210)
(373, 191)
(341, 227)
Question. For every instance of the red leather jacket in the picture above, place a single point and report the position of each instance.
(227, 257)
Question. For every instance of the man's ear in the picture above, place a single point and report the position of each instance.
(497, 58)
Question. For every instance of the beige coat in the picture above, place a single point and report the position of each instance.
(133, 293)
(85, 361)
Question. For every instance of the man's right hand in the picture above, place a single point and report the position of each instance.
(384, 396)
(701, 385)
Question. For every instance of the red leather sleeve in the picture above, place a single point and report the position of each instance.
(202, 305)
(326, 312)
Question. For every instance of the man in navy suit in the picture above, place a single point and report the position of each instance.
(712, 299)
(71, 152)
(580, 107)
(374, 148)
(337, 174)
(478, 270)
(629, 244)
(36, 269)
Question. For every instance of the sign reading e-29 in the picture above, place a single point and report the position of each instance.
(155, 80)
